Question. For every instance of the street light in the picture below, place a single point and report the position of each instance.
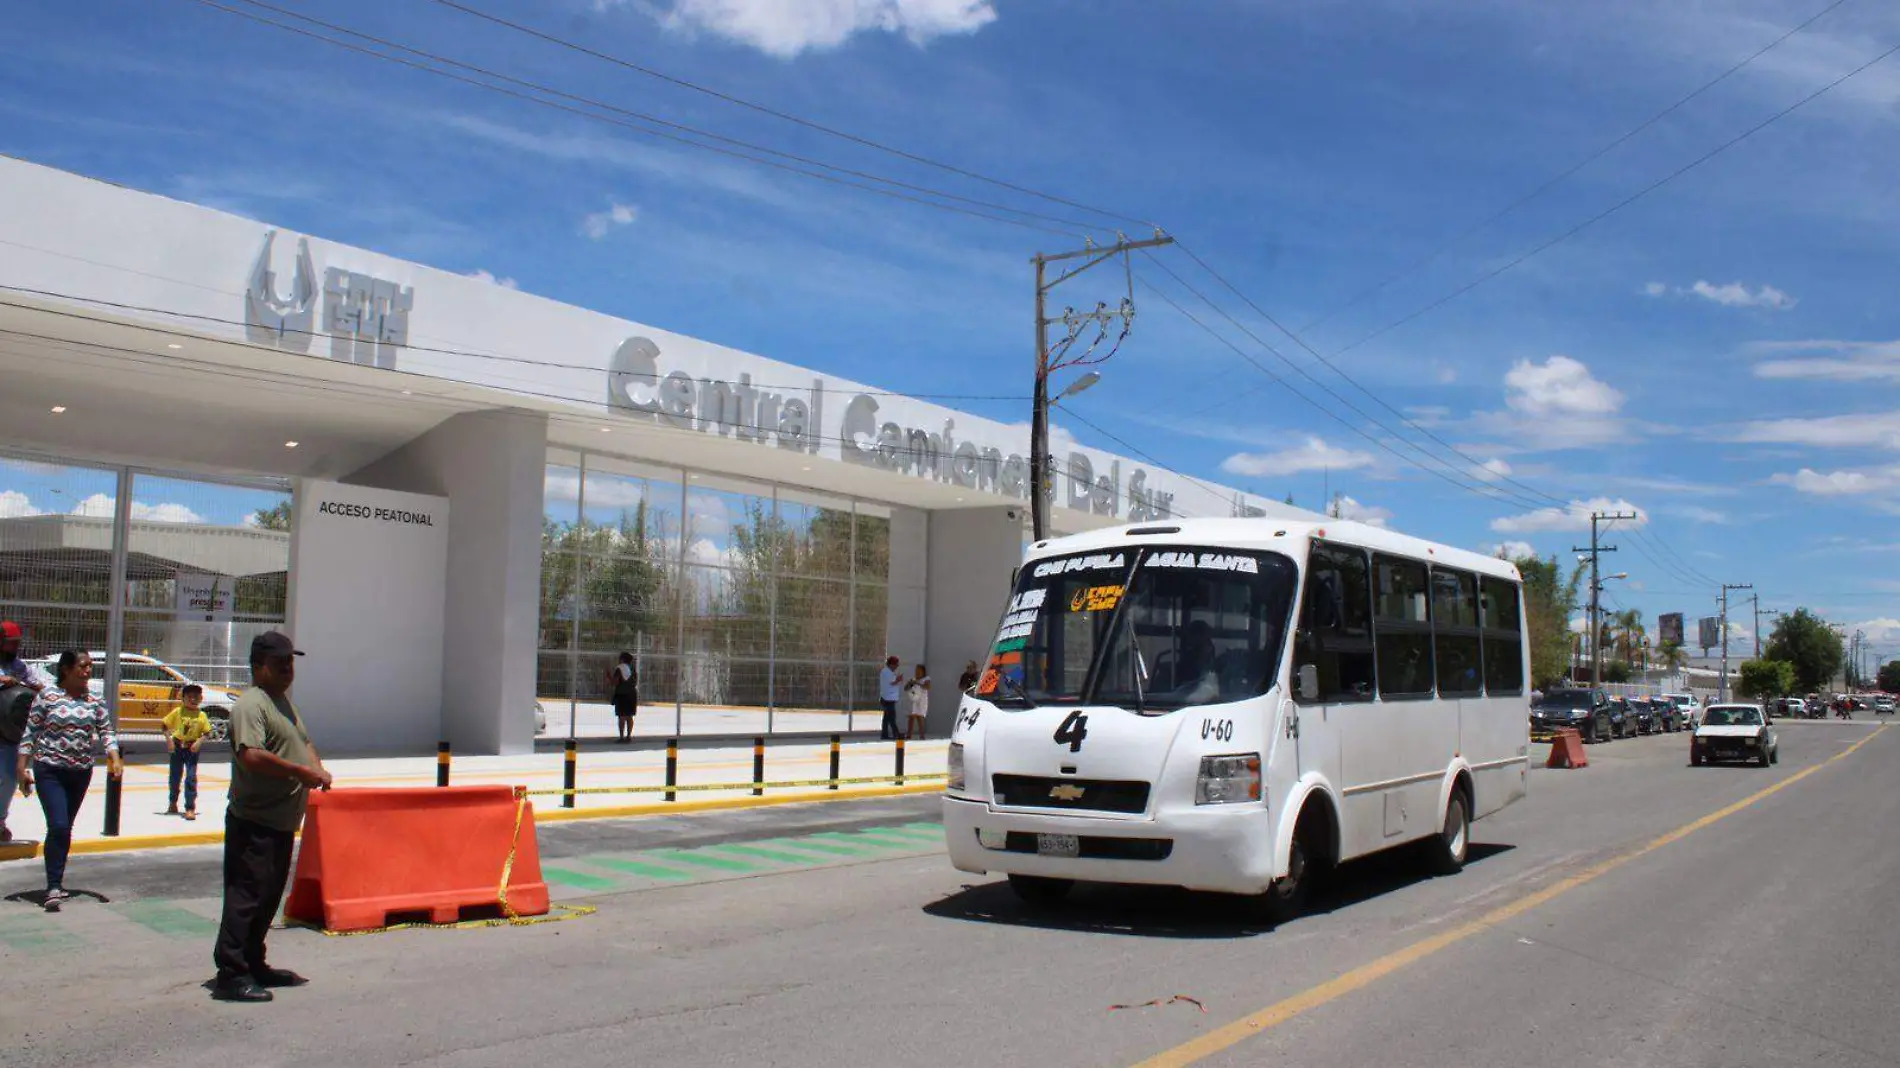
(1080, 385)
(1596, 627)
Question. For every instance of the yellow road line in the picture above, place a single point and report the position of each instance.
(1365, 975)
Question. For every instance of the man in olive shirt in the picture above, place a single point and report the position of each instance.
(274, 769)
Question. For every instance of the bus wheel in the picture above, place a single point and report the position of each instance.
(1286, 899)
(1039, 889)
(1447, 851)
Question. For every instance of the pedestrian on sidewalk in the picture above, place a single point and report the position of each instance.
(14, 672)
(65, 732)
(274, 768)
(917, 694)
(185, 730)
(623, 680)
(890, 689)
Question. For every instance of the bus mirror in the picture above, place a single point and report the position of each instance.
(1306, 683)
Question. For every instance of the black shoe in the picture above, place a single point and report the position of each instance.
(243, 988)
(275, 978)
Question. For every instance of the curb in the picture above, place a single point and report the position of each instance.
(27, 851)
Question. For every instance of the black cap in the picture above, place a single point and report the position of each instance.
(272, 643)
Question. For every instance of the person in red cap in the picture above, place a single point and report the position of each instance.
(13, 672)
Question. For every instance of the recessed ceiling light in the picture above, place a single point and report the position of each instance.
(174, 345)
(58, 408)
(290, 444)
(807, 467)
(408, 392)
(606, 430)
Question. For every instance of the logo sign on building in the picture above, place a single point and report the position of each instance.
(205, 598)
(1669, 627)
(366, 318)
(796, 419)
(1709, 629)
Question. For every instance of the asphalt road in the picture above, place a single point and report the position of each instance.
(1587, 930)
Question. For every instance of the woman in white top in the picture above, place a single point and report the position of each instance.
(917, 698)
(623, 681)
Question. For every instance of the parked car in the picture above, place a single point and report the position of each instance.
(148, 689)
(1622, 718)
(1883, 705)
(1643, 711)
(540, 719)
(1791, 708)
(1687, 707)
(1668, 720)
(1734, 732)
(1586, 710)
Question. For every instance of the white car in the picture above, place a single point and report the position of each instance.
(540, 719)
(148, 689)
(1687, 707)
(1734, 732)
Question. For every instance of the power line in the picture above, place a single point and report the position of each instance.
(788, 117)
(1566, 174)
(433, 350)
(1476, 464)
(1322, 409)
(1618, 206)
(893, 193)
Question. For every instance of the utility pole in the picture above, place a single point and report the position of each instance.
(1041, 485)
(1596, 590)
(1756, 598)
(1727, 586)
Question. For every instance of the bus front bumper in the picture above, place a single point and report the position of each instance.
(1227, 849)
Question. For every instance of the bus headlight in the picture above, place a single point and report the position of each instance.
(1227, 780)
(955, 766)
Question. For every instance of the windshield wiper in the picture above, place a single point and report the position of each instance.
(1021, 693)
(1141, 671)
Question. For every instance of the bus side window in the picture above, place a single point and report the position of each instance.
(1503, 638)
(1336, 624)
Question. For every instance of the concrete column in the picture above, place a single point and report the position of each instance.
(973, 553)
(906, 626)
(491, 466)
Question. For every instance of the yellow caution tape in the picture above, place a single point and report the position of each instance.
(689, 787)
(509, 917)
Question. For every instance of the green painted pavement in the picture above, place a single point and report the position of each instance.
(36, 936)
(167, 919)
(635, 867)
(701, 860)
(780, 856)
(577, 880)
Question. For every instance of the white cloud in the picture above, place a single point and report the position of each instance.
(1313, 455)
(1736, 295)
(14, 505)
(1370, 514)
(1841, 483)
(1558, 386)
(603, 490)
(1836, 361)
(481, 275)
(599, 224)
(1655, 289)
(1857, 430)
(100, 506)
(1883, 631)
(1572, 517)
(1508, 550)
(1695, 513)
(785, 28)
(1491, 470)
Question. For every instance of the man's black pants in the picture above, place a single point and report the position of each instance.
(889, 730)
(256, 867)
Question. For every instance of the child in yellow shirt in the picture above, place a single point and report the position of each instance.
(185, 730)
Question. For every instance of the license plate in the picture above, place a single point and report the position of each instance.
(1058, 845)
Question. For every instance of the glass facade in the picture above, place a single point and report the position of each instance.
(747, 607)
(206, 567)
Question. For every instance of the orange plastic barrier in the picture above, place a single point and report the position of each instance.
(1566, 749)
(370, 855)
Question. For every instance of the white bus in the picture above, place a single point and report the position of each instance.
(1236, 705)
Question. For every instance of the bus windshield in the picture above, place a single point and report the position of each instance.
(1151, 630)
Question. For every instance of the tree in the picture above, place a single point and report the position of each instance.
(1804, 640)
(1671, 656)
(1616, 671)
(1765, 679)
(1630, 635)
(1889, 677)
(1549, 602)
(276, 517)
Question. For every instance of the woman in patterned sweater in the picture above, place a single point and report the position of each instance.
(66, 730)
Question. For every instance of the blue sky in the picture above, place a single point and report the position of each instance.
(1720, 355)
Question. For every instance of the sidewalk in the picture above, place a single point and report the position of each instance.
(142, 813)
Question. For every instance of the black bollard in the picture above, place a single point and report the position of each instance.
(572, 758)
(672, 767)
(834, 762)
(758, 767)
(441, 763)
(900, 762)
(115, 784)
